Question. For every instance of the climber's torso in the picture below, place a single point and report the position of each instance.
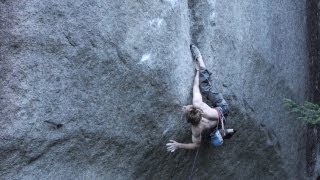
(204, 124)
(209, 113)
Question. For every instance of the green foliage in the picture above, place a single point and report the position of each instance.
(308, 112)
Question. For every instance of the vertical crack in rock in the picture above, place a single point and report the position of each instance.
(313, 20)
(197, 20)
(313, 44)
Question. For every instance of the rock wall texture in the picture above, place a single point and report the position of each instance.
(94, 89)
(313, 46)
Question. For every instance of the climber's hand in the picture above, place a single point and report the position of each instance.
(172, 146)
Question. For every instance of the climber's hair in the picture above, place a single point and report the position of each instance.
(194, 115)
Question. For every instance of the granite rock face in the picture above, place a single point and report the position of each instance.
(94, 89)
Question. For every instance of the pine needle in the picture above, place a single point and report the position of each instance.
(308, 112)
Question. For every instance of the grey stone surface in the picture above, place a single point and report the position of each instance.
(93, 89)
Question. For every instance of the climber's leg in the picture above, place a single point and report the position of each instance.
(205, 85)
(215, 98)
(206, 89)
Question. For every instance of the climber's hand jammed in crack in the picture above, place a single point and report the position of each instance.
(200, 115)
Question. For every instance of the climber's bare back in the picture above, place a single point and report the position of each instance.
(204, 124)
(209, 113)
(208, 121)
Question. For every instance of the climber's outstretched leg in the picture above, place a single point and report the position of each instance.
(206, 89)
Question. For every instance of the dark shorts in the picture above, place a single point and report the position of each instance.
(207, 91)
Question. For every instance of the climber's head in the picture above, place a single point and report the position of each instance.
(193, 114)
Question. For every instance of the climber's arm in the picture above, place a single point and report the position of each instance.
(197, 97)
(176, 145)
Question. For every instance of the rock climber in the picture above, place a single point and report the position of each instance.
(200, 115)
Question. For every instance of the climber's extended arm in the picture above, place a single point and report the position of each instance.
(176, 145)
(197, 97)
(188, 146)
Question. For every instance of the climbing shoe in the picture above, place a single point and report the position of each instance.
(230, 134)
(195, 52)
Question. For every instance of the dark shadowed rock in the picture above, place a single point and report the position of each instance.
(94, 89)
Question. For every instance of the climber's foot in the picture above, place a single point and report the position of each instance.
(229, 133)
(197, 57)
(195, 52)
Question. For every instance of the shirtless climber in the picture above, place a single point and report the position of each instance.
(200, 115)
